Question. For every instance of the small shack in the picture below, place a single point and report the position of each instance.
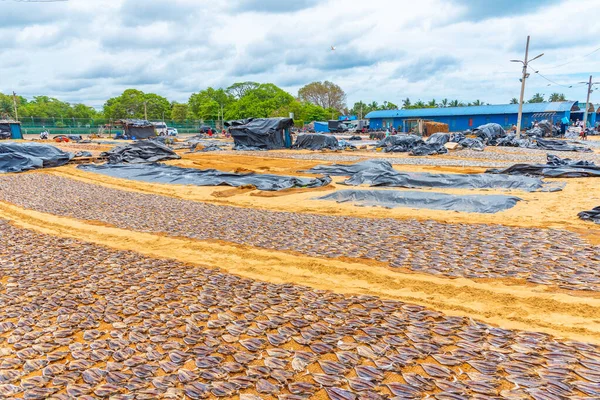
(261, 133)
(137, 128)
(10, 129)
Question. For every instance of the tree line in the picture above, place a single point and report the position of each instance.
(317, 101)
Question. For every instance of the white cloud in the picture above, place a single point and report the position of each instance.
(385, 49)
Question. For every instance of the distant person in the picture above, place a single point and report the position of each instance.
(387, 132)
(514, 129)
(44, 135)
(210, 132)
(563, 129)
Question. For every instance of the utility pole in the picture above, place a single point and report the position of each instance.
(525, 63)
(587, 102)
(146, 110)
(15, 106)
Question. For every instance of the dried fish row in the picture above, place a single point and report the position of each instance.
(82, 321)
(541, 256)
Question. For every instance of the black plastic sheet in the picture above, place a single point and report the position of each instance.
(555, 167)
(355, 137)
(489, 133)
(560, 145)
(316, 142)
(438, 138)
(473, 144)
(146, 151)
(19, 157)
(259, 133)
(381, 173)
(428, 150)
(593, 215)
(161, 173)
(487, 204)
(400, 143)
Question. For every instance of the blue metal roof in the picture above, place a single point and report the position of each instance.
(560, 106)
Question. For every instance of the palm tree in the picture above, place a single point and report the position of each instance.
(454, 103)
(432, 104)
(477, 103)
(406, 103)
(557, 97)
(537, 98)
(443, 103)
(419, 104)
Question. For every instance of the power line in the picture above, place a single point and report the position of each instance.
(556, 83)
(573, 60)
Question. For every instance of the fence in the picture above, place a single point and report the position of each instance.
(86, 126)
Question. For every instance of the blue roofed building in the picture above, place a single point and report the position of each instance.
(463, 118)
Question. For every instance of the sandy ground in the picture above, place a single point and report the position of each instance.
(507, 303)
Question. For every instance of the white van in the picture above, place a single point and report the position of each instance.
(160, 128)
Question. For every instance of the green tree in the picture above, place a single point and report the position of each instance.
(179, 112)
(419, 104)
(557, 97)
(388, 105)
(239, 89)
(207, 103)
(406, 103)
(514, 100)
(260, 102)
(432, 104)
(443, 103)
(454, 103)
(133, 103)
(325, 94)
(537, 98)
(477, 103)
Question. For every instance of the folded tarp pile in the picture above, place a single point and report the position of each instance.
(316, 142)
(555, 167)
(161, 173)
(414, 145)
(146, 151)
(467, 143)
(259, 133)
(544, 129)
(19, 157)
(488, 204)
(381, 173)
(490, 133)
(560, 145)
(593, 215)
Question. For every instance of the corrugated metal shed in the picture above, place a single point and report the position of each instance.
(528, 108)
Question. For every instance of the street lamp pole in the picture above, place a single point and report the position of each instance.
(525, 63)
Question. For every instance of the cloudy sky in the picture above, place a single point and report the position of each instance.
(90, 50)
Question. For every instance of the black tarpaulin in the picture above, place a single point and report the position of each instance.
(5, 132)
(19, 157)
(489, 133)
(316, 142)
(473, 144)
(438, 138)
(593, 215)
(428, 150)
(138, 128)
(161, 173)
(400, 143)
(488, 204)
(259, 133)
(381, 173)
(560, 145)
(146, 151)
(556, 167)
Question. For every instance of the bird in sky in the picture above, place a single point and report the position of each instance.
(332, 48)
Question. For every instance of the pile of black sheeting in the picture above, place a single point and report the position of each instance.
(467, 143)
(146, 151)
(544, 129)
(381, 173)
(555, 167)
(316, 141)
(560, 145)
(355, 137)
(487, 204)
(490, 133)
(259, 133)
(161, 173)
(19, 157)
(593, 215)
(400, 143)
(512, 141)
(433, 145)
